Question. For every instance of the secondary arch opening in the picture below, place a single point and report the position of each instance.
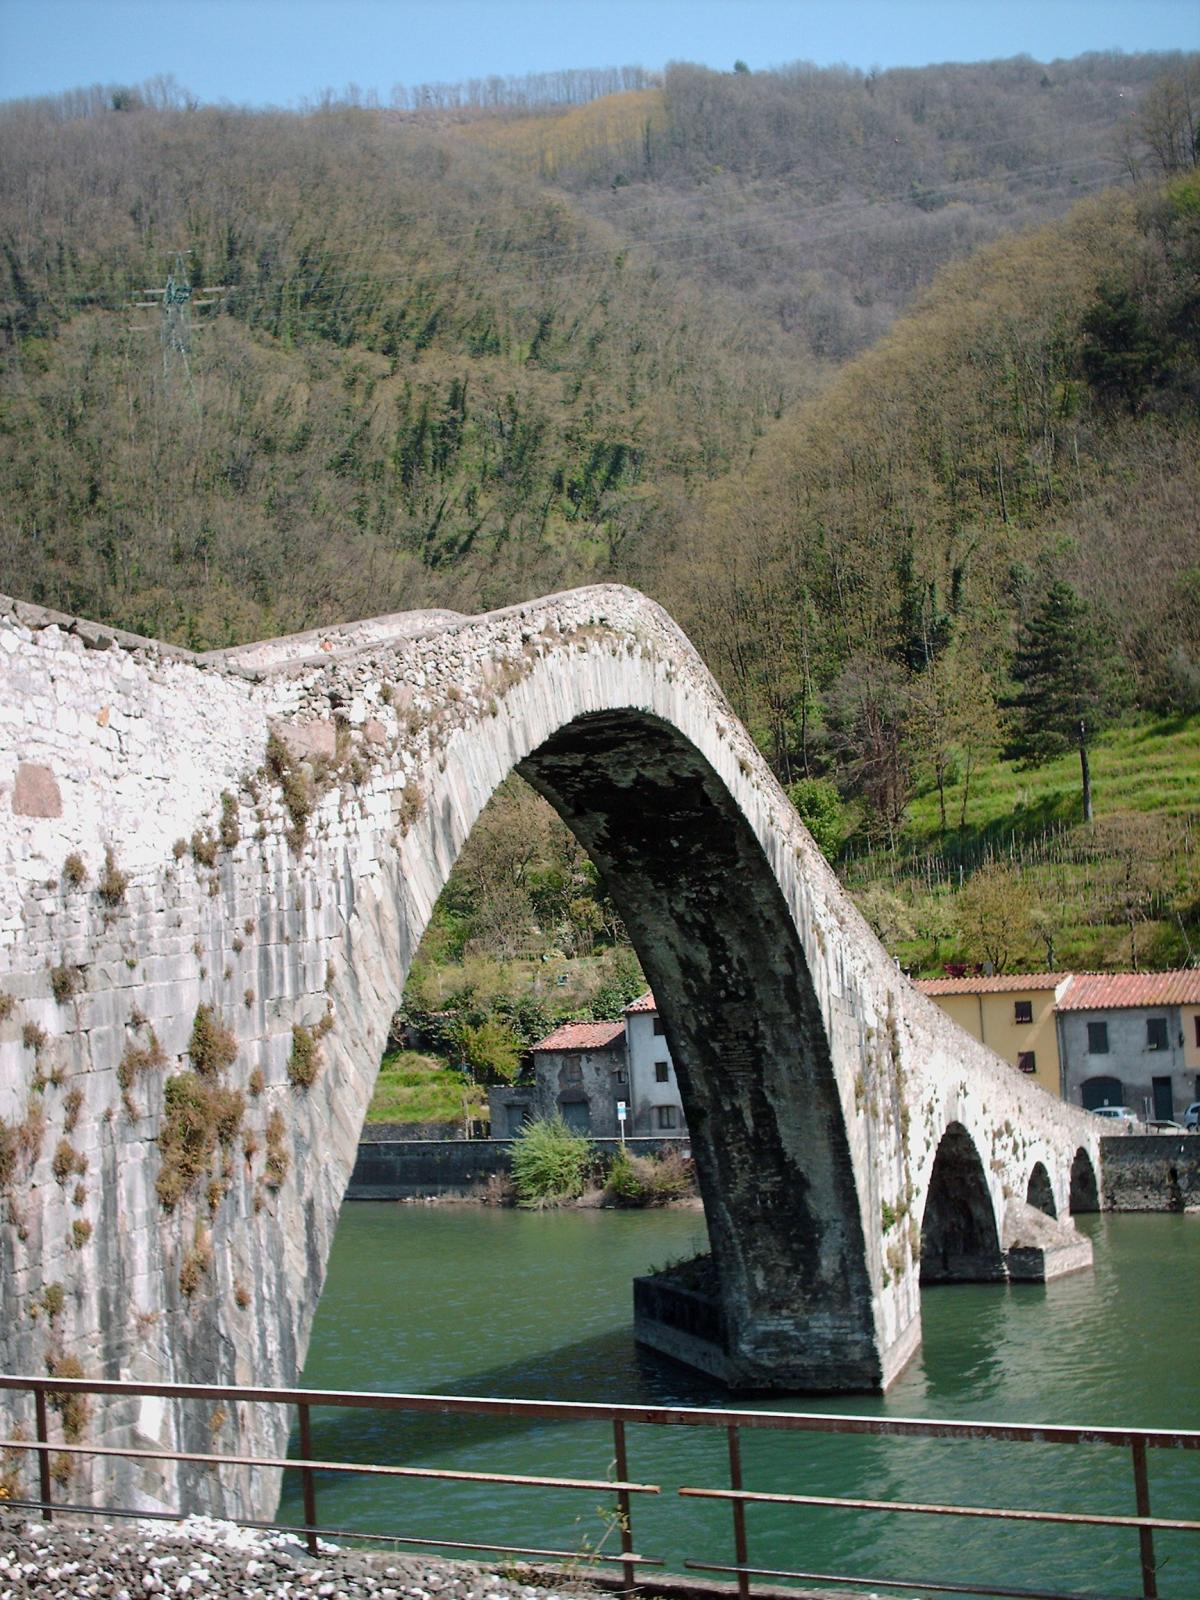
(1040, 1191)
(959, 1239)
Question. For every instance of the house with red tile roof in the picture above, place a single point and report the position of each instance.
(1095, 1038)
(582, 1072)
(1012, 1013)
(1132, 1038)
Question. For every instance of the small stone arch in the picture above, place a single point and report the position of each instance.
(960, 1242)
(1085, 1191)
(1040, 1191)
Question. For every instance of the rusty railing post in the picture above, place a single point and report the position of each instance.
(43, 1438)
(307, 1481)
(739, 1512)
(1141, 1488)
(624, 1507)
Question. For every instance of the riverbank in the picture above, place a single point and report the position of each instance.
(220, 1561)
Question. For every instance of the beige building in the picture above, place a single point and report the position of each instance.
(1014, 1014)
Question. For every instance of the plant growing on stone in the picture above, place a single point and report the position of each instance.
(112, 882)
(198, 1116)
(65, 983)
(549, 1162)
(73, 1409)
(305, 1060)
(213, 1046)
(72, 1106)
(8, 1153)
(81, 1232)
(140, 1058)
(296, 788)
(6, 1006)
(275, 1170)
(197, 1261)
(204, 848)
(228, 831)
(74, 872)
(411, 804)
(68, 1162)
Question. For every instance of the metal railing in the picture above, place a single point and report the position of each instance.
(46, 1392)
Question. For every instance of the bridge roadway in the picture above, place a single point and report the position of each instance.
(216, 872)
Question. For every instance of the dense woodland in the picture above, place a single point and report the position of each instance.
(852, 371)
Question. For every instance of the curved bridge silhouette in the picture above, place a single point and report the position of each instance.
(218, 869)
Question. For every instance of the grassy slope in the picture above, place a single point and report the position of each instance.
(1148, 766)
(1146, 793)
(419, 1088)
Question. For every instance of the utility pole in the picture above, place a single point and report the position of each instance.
(176, 302)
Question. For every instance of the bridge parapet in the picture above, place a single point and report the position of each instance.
(217, 872)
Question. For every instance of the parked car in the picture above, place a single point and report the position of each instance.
(1124, 1117)
(1164, 1125)
(1191, 1117)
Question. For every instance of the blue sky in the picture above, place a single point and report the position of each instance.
(282, 52)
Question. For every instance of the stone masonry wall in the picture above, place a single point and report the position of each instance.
(1151, 1172)
(215, 873)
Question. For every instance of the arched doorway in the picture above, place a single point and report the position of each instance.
(1096, 1092)
(1040, 1192)
(959, 1238)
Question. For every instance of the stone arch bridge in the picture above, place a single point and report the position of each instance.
(216, 871)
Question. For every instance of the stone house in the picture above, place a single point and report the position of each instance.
(1132, 1038)
(580, 1072)
(583, 1069)
(1014, 1014)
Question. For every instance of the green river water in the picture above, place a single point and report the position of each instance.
(468, 1300)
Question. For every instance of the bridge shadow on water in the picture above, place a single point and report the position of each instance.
(608, 1368)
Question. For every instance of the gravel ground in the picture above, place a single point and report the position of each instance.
(207, 1560)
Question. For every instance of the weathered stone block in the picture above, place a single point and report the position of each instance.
(36, 792)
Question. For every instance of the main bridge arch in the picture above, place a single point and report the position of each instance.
(258, 837)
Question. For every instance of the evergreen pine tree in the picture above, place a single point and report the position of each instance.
(1068, 685)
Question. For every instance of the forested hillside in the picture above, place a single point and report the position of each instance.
(784, 349)
(818, 201)
(1035, 419)
(422, 381)
(471, 352)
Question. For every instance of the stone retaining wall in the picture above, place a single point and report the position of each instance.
(410, 1169)
(1151, 1172)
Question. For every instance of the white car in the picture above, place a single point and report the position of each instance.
(1191, 1117)
(1125, 1118)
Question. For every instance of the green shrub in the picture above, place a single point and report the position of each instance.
(822, 811)
(648, 1180)
(625, 1186)
(549, 1162)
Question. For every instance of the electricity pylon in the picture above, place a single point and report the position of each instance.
(176, 302)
